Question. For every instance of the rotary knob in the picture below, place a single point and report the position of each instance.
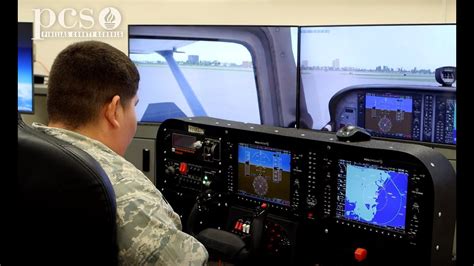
(170, 171)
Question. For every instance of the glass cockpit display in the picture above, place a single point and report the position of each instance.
(372, 195)
(264, 174)
(388, 115)
(428, 117)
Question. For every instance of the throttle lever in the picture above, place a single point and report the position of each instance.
(257, 229)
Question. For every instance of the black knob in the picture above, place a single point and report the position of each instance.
(170, 170)
(296, 183)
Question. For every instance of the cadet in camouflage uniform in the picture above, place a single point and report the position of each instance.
(91, 99)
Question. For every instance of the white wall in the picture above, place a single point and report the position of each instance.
(241, 12)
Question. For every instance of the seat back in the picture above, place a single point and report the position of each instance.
(67, 207)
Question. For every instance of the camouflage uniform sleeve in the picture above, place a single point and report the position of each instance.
(147, 238)
(149, 231)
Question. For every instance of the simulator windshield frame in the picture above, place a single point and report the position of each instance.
(304, 77)
(214, 70)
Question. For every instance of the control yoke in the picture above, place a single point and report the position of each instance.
(223, 245)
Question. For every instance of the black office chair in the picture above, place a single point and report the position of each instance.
(67, 207)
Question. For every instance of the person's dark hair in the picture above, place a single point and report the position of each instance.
(84, 77)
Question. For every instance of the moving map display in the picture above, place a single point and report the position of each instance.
(372, 195)
(264, 173)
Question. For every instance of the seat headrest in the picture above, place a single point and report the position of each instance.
(67, 203)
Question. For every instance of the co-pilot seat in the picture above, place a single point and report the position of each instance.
(66, 204)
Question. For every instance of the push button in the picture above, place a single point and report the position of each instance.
(183, 168)
(360, 254)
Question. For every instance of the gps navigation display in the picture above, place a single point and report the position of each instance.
(372, 195)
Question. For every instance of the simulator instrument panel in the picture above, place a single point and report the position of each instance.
(416, 113)
(327, 202)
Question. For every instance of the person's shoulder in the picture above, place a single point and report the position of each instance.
(114, 163)
(121, 171)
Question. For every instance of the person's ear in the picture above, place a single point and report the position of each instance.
(111, 111)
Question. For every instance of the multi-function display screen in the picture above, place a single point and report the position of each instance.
(264, 174)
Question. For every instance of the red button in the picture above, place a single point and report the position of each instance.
(264, 205)
(360, 254)
(183, 168)
(310, 215)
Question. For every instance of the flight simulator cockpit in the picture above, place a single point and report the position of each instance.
(261, 191)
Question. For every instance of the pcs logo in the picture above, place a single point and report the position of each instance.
(108, 18)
